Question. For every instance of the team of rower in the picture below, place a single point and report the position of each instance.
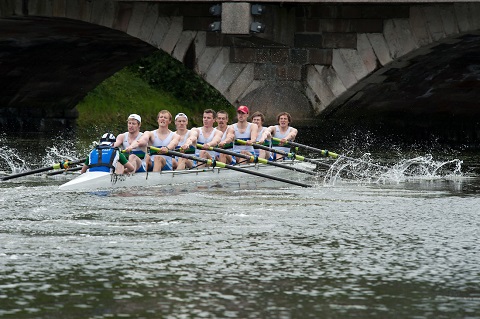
(135, 157)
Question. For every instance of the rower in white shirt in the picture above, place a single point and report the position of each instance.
(242, 130)
(282, 131)
(137, 155)
(161, 138)
(187, 143)
(222, 125)
(258, 118)
(208, 136)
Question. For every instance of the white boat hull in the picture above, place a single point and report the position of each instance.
(91, 181)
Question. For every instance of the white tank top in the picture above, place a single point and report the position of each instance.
(243, 136)
(192, 148)
(140, 152)
(260, 133)
(126, 144)
(280, 135)
(202, 139)
(157, 142)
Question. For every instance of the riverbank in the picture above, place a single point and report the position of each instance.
(139, 89)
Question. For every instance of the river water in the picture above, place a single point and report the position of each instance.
(389, 247)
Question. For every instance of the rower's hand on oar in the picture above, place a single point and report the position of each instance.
(206, 146)
(283, 141)
(249, 142)
(163, 150)
(184, 147)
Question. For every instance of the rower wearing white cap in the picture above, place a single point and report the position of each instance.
(188, 140)
(128, 141)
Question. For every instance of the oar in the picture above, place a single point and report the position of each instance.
(64, 165)
(330, 154)
(255, 159)
(235, 168)
(73, 169)
(286, 154)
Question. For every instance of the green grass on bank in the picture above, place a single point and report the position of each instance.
(108, 106)
(146, 87)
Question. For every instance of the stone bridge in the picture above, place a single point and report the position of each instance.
(381, 62)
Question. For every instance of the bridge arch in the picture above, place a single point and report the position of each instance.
(319, 55)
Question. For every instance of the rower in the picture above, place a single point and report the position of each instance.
(105, 156)
(222, 125)
(187, 144)
(161, 138)
(258, 118)
(242, 130)
(128, 141)
(208, 136)
(283, 131)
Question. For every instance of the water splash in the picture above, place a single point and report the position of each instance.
(13, 161)
(426, 166)
(365, 170)
(10, 160)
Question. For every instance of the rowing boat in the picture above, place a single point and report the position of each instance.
(106, 181)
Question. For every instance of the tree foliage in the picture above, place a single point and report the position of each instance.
(163, 72)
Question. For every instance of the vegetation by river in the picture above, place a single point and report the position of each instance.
(146, 87)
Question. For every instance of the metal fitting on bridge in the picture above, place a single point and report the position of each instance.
(237, 18)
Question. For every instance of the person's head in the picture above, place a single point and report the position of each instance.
(284, 119)
(134, 121)
(222, 118)
(258, 118)
(107, 139)
(164, 118)
(181, 121)
(209, 117)
(242, 113)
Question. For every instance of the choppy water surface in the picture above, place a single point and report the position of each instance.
(344, 249)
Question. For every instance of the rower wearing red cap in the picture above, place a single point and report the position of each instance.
(242, 130)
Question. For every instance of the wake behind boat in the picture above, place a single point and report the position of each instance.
(91, 181)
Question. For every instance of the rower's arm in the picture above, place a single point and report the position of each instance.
(217, 138)
(141, 142)
(267, 134)
(291, 136)
(174, 142)
(118, 141)
(230, 136)
(253, 133)
(192, 138)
